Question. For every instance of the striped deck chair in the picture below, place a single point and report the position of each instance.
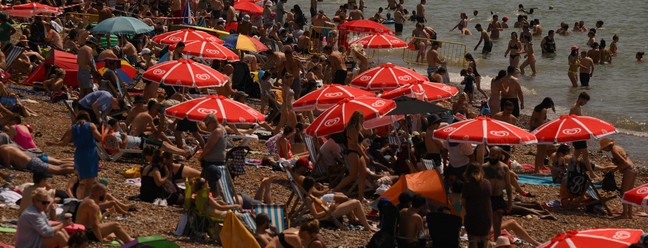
(13, 55)
(277, 214)
(227, 191)
(596, 198)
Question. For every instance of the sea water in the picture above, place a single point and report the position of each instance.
(617, 90)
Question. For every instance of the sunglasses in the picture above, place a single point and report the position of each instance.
(45, 202)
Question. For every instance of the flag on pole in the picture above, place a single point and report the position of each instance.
(187, 17)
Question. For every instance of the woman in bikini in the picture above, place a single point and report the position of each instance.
(462, 25)
(574, 64)
(305, 236)
(514, 48)
(529, 55)
(355, 156)
(625, 166)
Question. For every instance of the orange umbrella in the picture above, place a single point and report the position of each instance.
(427, 183)
(248, 7)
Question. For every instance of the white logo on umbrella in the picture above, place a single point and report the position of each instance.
(622, 235)
(241, 119)
(395, 41)
(571, 131)
(159, 71)
(251, 111)
(212, 51)
(405, 78)
(331, 122)
(211, 39)
(499, 133)
(363, 42)
(203, 76)
(174, 39)
(207, 111)
(642, 190)
(365, 78)
(446, 88)
(448, 129)
(465, 137)
(333, 94)
(378, 103)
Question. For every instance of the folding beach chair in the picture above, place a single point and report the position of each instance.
(69, 105)
(298, 207)
(277, 214)
(106, 156)
(13, 55)
(429, 165)
(227, 191)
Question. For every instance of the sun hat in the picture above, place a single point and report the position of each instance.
(145, 51)
(575, 47)
(605, 142)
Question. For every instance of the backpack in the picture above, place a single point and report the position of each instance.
(236, 160)
(577, 180)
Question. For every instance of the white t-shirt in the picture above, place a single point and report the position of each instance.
(459, 155)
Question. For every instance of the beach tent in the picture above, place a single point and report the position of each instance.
(66, 61)
(155, 241)
(235, 234)
(427, 183)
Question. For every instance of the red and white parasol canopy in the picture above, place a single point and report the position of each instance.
(424, 91)
(570, 128)
(208, 50)
(327, 96)
(335, 119)
(386, 77)
(380, 41)
(604, 237)
(637, 196)
(186, 35)
(226, 110)
(185, 73)
(484, 130)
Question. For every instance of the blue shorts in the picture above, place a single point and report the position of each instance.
(44, 158)
(430, 70)
(37, 166)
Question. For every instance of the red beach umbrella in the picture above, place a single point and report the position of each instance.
(226, 110)
(637, 196)
(380, 41)
(335, 119)
(327, 96)
(185, 73)
(208, 50)
(382, 121)
(249, 7)
(364, 26)
(386, 77)
(484, 130)
(424, 91)
(31, 9)
(570, 128)
(186, 35)
(604, 237)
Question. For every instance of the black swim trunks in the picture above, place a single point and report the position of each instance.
(584, 79)
(91, 236)
(340, 77)
(398, 27)
(498, 203)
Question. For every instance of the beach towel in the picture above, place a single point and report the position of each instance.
(540, 180)
(234, 233)
(530, 167)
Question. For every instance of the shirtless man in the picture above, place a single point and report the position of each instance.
(438, 76)
(488, 44)
(216, 7)
(245, 26)
(494, 28)
(420, 12)
(434, 61)
(434, 147)
(586, 69)
(410, 224)
(498, 175)
(580, 147)
(295, 67)
(87, 68)
(313, 7)
(89, 214)
(512, 91)
(12, 156)
(336, 62)
(104, 13)
(263, 224)
(399, 19)
(625, 166)
(391, 4)
(319, 20)
(356, 14)
(128, 50)
(143, 124)
(304, 43)
(594, 53)
(52, 37)
(176, 10)
(506, 115)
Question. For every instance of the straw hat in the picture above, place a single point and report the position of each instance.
(605, 143)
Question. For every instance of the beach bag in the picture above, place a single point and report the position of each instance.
(577, 181)
(134, 172)
(236, 160)
(609, 182)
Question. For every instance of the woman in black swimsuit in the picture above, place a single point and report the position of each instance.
(305, 236)
(471, 62)
(355, 156)
(513, 48)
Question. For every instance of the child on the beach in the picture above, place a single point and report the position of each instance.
(468, 82)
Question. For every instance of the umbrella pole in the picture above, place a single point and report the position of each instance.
(481, 150)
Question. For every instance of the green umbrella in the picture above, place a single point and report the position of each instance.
(154, 241)
(121, 25)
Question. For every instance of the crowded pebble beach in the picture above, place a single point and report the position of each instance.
(201, 123)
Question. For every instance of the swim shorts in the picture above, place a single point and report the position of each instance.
(398, 27)
(584, 79)
(340, 77)
(579, 145)
(488, 46)
(37, 166)
(84, 78)
(430, 70)
(498, 204)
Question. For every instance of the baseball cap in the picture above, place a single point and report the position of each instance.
(303, 162)
(268, 3)
(145, 51)
(246, 17)
(220, 20)
(575, 47)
